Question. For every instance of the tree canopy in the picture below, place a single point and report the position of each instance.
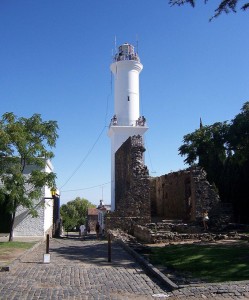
(74, 213)
(225, 6)
(208, 145)
(25, 142)
(222, 149)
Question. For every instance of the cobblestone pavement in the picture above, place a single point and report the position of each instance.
(79, 269)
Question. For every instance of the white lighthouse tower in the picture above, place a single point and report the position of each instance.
(126, 121)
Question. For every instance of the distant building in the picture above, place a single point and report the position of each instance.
(102, 210)
(92, 218)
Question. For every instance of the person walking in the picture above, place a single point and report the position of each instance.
(205, 220)
(82, 230)
(97, 229)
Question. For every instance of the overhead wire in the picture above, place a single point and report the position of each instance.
(96, 141)
(84, 159)
(147, 150)
(87, 188)
(146, 145)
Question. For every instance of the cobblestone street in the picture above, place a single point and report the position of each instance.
(79, 269)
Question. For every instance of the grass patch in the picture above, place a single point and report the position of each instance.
(213, 263)
(15, 245)
(9, 251)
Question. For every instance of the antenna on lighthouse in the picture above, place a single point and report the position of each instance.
(137, 43)
(115, 44)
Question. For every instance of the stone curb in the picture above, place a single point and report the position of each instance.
(149, 267)
(19, 258)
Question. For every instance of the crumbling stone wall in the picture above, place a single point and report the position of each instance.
(182, 195)
(205, 195)
(132, 196)
(167, 195)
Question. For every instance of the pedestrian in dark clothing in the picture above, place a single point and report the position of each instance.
(97, 228)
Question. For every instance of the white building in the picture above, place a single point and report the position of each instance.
(127, 120)
(24, 224)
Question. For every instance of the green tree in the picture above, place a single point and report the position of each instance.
(239, 135)
(238, 164)
(225, 6)
(222, 149)
(68, 214)
(74, 213)
(24, 142)
(208, 145)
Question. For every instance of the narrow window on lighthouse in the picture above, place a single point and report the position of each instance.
(128, 98)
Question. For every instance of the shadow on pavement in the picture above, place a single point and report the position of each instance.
(89, 250)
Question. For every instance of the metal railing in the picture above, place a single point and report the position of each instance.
(141, 121)
(119, 57)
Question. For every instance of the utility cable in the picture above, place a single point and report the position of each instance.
(91, 149)
(86, 156)
(147, 150)
(87, 188)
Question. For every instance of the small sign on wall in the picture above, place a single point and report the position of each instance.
(46, 258)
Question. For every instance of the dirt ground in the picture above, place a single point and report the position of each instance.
(7, 255)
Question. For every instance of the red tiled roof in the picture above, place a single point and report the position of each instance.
(92, 212)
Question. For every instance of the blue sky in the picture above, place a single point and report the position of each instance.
(55, 60)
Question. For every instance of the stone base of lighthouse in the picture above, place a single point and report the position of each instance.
(132, 187)
(118, 135)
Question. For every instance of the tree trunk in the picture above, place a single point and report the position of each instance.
(12, 226)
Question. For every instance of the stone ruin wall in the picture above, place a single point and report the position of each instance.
(168, 195)
(132, 195)
(182, 195)
(205, 195)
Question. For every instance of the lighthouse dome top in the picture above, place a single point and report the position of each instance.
(126, 52)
